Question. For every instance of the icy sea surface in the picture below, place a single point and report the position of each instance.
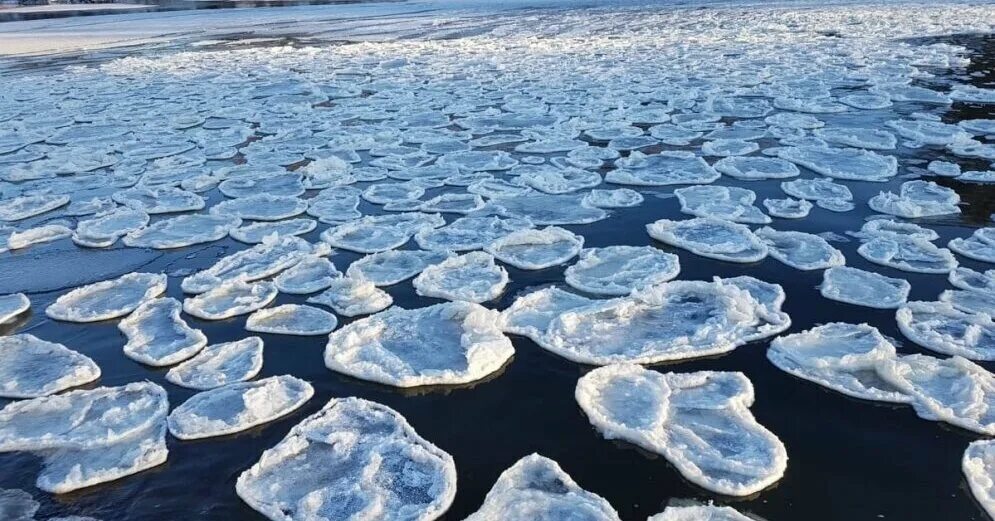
(741, 255)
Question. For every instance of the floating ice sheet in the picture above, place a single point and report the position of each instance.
(107, 299)
(261, 207)
(710, 237)
(617, 270)
(617, 198)
(292, 319)
(31, 367)
(665, 168)
(230, 299)
(19, 208)
(255, 233)
(917, 199)
(721, 202)
(183, 230)
(941, 327)
(536, 249)
(689, 418)
(864, 288)
(393, 266)
(843, 163)
(979, 246)
(350, 297)
(473, 277)
(788, 208)
(700, 513)
(272, 256)
(966, 278)
(105, 229)
(978, 465)
(756, 168)
(531, 314)
(13, 305)
(158, 336)
(17, 505)
(220, 364)
(310, 275)
(800, 250)
(544, 209)
(915, 255)
(379, 233)
(469, 233)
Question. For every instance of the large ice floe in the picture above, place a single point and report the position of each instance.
(843, 163)
(31, 367)
(353, 459)
(978, 465)
(864, 288)
(238, 407)
(537, 488)
(943, 328)
(107, 299)
(220, 364)
(530, 249)
(800, 250)
(292, 319)
(89, 437)
(158, 336)
(691, 420)
(915, 255)
(670, 321)
(444, 344)
(917, 199)
(377, 233)
(617, 270)
(230, 299)
(710, 237)
(473, 277)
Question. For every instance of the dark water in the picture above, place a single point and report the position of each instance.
(849, 459)
(170, 5)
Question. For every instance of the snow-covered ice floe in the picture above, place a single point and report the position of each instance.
(971, 280)
(238, 407)
(864, 288)
(31, 367)
(292, 319)
(979, 246)
(941, 327)
(473, 277)
(89, 437)
(158, 336)
(393, 266)
(978, 465)
(268, 258)
(444, 344)
(688, 418)
(350, 297)
(617, 270)
(107, 299)
(230, 299)
(530, 249)
(352, 459)
(536, 487)
(914, 255)
(710, 237)
(220, 364)
(800, 250)
(917, 199)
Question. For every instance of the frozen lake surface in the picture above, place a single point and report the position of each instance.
(361, 260)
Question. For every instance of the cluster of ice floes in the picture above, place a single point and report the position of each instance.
(670, 321)
(691, 420)
(353, 459)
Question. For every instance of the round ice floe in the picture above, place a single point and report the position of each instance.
(842, 357)
(677, 415)
(896, 230)
(105, 229)
(450, 343)
(286, 184)
(231, 298)
(674, 135)
(453, 203)
(353, 459)
(107, 299)
(537, 488)
(941, 327)
(866, 101)
(728, 147)
(393, 266)
(788, 208)
(238, 407)
(183, 230)
(272, 256)
(953, 390)
(310, 275)
(869, 138)
(31, 367)
(929, 132)
(966, 278)
(721, 202)
(531, 314)
(545, 209)
(617, 270)
(800, 250)
(13, 305)
(978, 465)
(864, 288)
(915, 255)
(618, 198)
(19, 208)
(157, 336)
(843, 163)
(817, 190)
(552, 180)
(756, 168)
(350, 296)
(256, 232)
(159, 199)
(700, 513)
(536, 249)
(378, 233)
(473, 277)
(334, 206)
(666, 168)
(220, 364)
(709, 237)
(917, 199)
(979, 246)
(261, 207)
(292, 319)
(384, 193)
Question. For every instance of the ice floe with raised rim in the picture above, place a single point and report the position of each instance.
(353, 459)
(864, 288)
(843, 163)
(261, 207)
(31, 367)
(255, 233)
(710, 237)
(158, 336)
(473, 277)
(896, 230)
(756, 168)
(350, 297)
(868, 138)
(941, 327)
(729, 203)
(231, 298)
(17, 505)
(530, 314)
(688, 418)
(13, 305)
(800, 250)
(675, 167)
(700, 513)
(159, 199)
(107, 299)
(105, 229)
(917, 199)
(617, 270)
(788, 208)
(238, 407)
(393, 266)
(23, 207)
(617, 198)
(968, 279)
(377, 233)
(970, 301)
(545, 209)
(292, 319)
(979, 246)
(914, 255)
(310, 275)
(263, 260)
(978, 465)
(537, 249)
(220, 364)
(21, 239)
(443, 344)
(182, 230)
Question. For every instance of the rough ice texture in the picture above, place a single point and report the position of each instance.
(473, 277)
(756, 168)
(353, 459)
(545, 209)
(979, 246)
(941, 327)
(394, 266)
(255, 233)
(721, 202)
(971, 301)
(180, 231)
(158, 336)
(670, 321)
(106, 228)
(536, 249)
(953, 390)
(666, 168)
(13, 305)
(220, 364)
(19, 208)
(379, 233)
(31, 367)
(531, 314)
(917, 199)
(843, 163)
(261, 207)
(968, 279)
(896, 230)
(710, 237)
(310, 275)
(89, 437)
(699, 513)
(350, 297)
(469, 233)
(107, 299)
(700, 422)
(238, 407)
(914, 255)
(842, 357)
(618, 198)
(37, 235)
(292, 319)
(274, 255)
(230, 299)
(537, 488)
(864, 288)
(617, 270)
(450, 343)
(978, 465)
(800, 250)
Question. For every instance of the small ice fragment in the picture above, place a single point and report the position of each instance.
(31, 367)
(238, 407)
(536, 249)
(292, 319)
(896, 230)
(310, 275)
(618, 198)
(231, 298)
(800, 250)
(473, 277)
(617, 270)
(13, 305)
(107, 299)
(864, 288)
(350, 297)
(444, 344)
(710, 237)
(941, 327)
(788, 208)
(220, 364)
(158, 336)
